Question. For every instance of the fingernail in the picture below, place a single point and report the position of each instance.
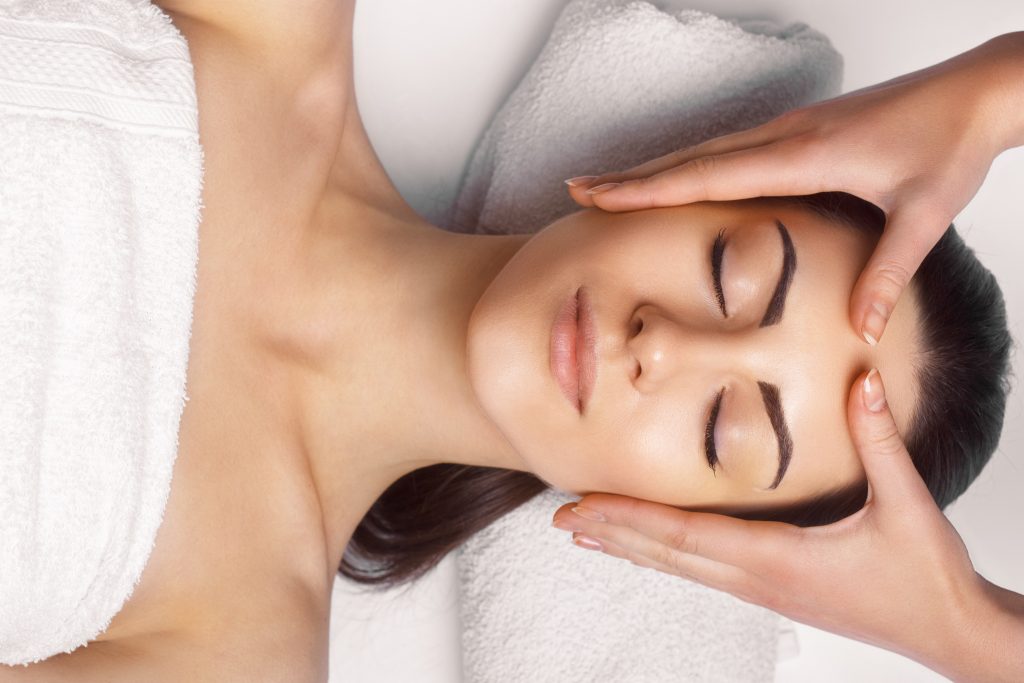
(565, 525)
(874, 323)
(587, 542)
(602, 188)
(589, 514)
(580, 180)
(874, 394)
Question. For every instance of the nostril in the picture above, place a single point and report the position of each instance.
(637, 326)
(637, 370)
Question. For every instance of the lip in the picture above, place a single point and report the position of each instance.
(573, 357)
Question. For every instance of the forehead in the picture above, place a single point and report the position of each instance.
(823, 354)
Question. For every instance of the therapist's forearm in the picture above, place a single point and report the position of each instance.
(1006, 79)
(986, 643)
(1004, 639)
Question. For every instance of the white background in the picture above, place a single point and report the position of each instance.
(429, 75)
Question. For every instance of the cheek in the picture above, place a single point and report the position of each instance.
(639, 455)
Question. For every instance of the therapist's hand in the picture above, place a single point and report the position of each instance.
(917, 146)
(895, 574)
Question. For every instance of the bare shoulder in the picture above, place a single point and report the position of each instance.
(313, 30)
(267, 66)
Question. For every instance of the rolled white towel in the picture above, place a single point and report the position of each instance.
(534, 608)
(620, 82)
(100, 187)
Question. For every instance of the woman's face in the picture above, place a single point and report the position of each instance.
(672, 376)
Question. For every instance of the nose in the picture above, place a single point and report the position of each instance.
(665, 350)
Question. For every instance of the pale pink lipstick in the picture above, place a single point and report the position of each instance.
(574, 349)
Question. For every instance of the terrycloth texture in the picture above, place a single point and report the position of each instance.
(534, 609)
(619, 82)
(100, 186)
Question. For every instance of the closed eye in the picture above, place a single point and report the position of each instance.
(710, 451)
(717, 249)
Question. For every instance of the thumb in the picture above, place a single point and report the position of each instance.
(910, 233)
(891, 474)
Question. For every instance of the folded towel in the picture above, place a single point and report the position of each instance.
(100, 186)
(619, 82)
(534, 609)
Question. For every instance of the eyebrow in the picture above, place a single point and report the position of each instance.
(774, 313)
(773, 406)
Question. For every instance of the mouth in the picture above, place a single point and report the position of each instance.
(573, 345)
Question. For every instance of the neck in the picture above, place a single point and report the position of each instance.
(385, 388)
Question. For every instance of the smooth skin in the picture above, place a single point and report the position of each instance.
(919, 147)
(664, 351)
(313, 275)
(328, 356)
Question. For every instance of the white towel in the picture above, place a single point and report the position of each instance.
(619, 82)
(534, 608)
(100, 186)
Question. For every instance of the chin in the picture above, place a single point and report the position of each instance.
(497, 365)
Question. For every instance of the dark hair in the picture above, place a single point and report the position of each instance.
(962, 374)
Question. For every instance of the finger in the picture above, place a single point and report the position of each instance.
(910, 233)
(749, 545)
(891, 474)
(752, 137)
(780, 169)
(609, 547)
(632, 546)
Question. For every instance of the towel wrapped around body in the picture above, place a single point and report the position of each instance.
(618, 83)
(100, 190)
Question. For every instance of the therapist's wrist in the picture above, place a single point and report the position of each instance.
(1004, 82)
(1004, 636)
(986, 643)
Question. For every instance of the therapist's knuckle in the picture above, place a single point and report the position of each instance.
(642, 191)
(811, 150)
(666, 556)
(885, 439)
(891, 276)
(703, 170)
(681, 539)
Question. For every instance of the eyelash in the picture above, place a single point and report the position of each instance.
(709, 433)
(717, 249)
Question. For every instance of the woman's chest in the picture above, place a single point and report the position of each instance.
(240, 552)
